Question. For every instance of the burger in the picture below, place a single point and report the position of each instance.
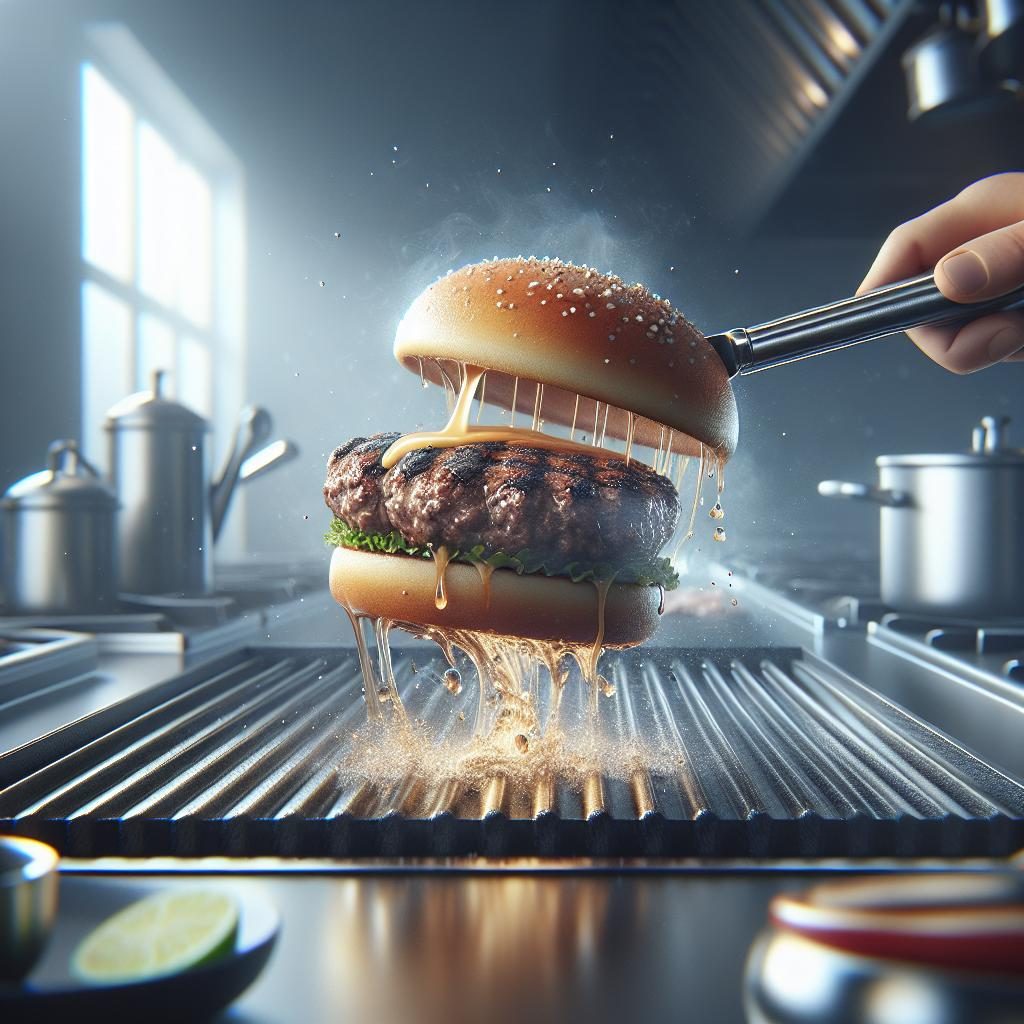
(550, 524)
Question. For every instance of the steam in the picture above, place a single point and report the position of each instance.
(538, 225)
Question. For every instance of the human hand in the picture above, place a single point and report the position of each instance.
(975, 242)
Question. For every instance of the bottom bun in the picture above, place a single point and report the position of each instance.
(402, 588)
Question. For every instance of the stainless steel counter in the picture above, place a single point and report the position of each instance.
(502, 947)
(402, 942)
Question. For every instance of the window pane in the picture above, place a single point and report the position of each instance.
(106, 363)
(196, 225)
(156, 352)
(195, 376)
(159, 221)
(107, 159)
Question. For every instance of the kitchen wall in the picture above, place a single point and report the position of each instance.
(386, 142)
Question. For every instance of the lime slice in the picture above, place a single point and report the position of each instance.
(160, 935)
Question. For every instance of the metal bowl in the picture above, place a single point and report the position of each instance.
(28, 903)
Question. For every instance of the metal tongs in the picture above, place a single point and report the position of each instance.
(916, 302)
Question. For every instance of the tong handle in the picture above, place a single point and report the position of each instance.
(916, 302)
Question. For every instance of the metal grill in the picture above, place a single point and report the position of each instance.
(780, 755)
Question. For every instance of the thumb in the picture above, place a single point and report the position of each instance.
(989, 266)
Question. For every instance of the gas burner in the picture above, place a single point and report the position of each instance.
(991, 655)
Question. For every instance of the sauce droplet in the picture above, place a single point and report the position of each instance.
(441, 559)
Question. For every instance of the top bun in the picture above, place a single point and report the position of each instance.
(579, 333)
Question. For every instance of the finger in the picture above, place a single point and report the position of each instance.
(918, 245)
(975, 345)
(984, 267)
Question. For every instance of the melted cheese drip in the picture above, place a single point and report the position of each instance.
(442, 556)
(486, 572)
(458, 430)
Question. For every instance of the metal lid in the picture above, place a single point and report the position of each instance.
(988, 449)
(149, 410)
(69, 482)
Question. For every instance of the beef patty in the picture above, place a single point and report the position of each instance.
(564, 506)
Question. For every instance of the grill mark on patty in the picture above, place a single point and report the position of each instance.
(466, 462)
(418, 461)
(343, 449)
(376, 445)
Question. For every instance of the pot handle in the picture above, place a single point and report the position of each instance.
(863, 492)
(65, 457)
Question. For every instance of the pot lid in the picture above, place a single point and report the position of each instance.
(988, 448)
(69, 482)
(150, 410)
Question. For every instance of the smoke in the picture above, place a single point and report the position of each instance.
(543, 224)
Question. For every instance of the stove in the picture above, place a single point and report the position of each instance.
(990, 656)
(842, 594)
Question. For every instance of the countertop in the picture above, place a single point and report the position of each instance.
(537, 941)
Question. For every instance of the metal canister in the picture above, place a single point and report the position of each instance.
(58, 529)
(951, 537)
(158, 464)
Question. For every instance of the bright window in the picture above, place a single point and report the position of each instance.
(161, 246)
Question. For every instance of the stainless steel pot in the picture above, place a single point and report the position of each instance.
(170, 513)
(58, 530)
(952, 528)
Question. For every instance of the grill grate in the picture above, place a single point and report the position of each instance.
(781, 755)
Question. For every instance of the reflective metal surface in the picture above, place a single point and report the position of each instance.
(792, 980)
(951, 542)
(171, 514)
(28, 903)
(58, 538)
(887, 310)
(158, 463)
(745, 753)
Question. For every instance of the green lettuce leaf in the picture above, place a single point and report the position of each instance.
(643, 573)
